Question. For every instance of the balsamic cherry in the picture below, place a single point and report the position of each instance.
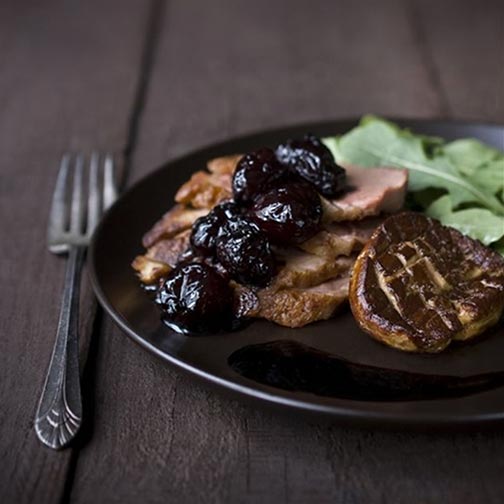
(254, 173)
(195, 298)
(288, 214)
(313, 161)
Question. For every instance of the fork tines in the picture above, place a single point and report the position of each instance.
(80, 200)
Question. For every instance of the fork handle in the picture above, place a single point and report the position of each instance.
(59, 413)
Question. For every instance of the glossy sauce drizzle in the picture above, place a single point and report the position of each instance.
(293, 366)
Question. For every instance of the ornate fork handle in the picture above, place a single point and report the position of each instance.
(59, 413)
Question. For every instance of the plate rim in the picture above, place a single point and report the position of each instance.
(336, 412)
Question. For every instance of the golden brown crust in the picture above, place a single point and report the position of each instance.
(173, 222)
(418, 285)
(388, 334)
(302, 270)
(341, 238)
(148, 270)
(224, 164)
(297, 307)
(205, 190)
(161, 257)
(169, 250)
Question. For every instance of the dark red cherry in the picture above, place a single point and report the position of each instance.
(254, 173)
(245, 253)
(204, 234)
(206, 229)
(288, 214)
(313, 161)
(195, 298)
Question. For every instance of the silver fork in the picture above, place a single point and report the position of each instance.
(71, 223)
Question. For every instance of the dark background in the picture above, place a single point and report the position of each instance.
(152, 80)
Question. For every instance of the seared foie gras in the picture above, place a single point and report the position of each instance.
(418, 285)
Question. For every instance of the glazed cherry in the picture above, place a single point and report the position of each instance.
(313, 161)
(204, 234)
(206, 229)
(288, 214)
(195, 298)
(245, 253)
(255, 172)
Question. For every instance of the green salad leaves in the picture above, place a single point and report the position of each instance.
(460, 183)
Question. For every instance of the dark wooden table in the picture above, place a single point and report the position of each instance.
(153, 80)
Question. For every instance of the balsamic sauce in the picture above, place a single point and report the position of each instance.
(293, 366)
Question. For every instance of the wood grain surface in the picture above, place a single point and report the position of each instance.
(153, 80)
(68, 79)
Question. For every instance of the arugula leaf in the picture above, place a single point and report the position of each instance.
(483, 165)
(376, 142)
(478, 223)
(490, 176)
(460, 183)
(440, 207)
(469, 154)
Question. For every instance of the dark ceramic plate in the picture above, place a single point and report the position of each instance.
(329, 368)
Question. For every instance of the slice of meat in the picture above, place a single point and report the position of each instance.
(302, 270)
(371, 192)
(313, 281)
(161, 257)
(224, 164)
(169, 250)
(178, 219)
(341, 238)
(294, 307)
(418, 285)
(148, 270)
(205, 190)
